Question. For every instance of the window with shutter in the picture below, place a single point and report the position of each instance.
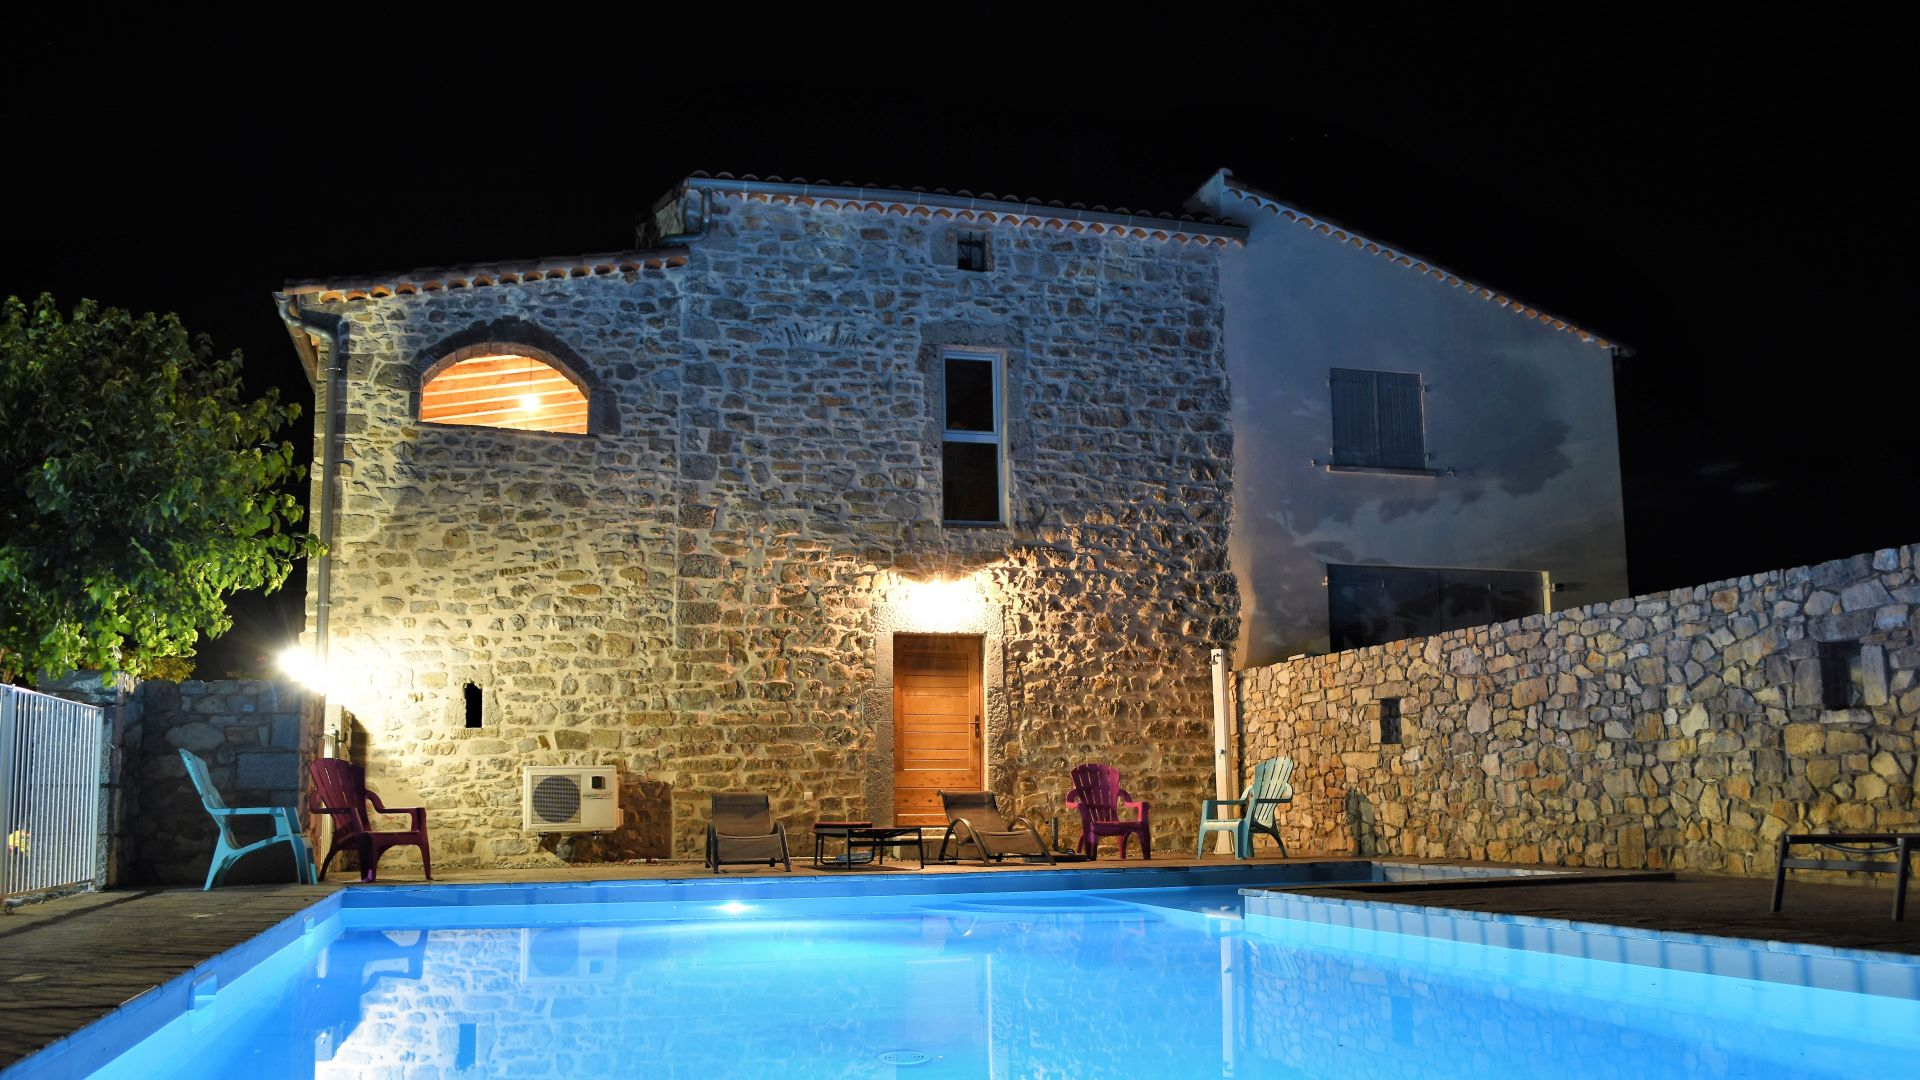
(1356, 432)
(1379, 419)
(1403, 436)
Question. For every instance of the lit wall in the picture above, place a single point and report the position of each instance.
(702, 590)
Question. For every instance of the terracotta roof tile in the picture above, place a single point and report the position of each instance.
(482, 275)
(963, 205)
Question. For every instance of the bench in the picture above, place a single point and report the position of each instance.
(1901, 845)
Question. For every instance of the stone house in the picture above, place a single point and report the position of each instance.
(1427, 452)
(839, 493)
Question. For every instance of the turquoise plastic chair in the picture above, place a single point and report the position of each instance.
(227, 850)
(1258, 805)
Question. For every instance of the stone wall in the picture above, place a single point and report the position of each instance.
(255, 737)
(1678, 730)
(699, 590)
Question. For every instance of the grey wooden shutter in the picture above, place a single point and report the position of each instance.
(1356, 433)
(1403, 439)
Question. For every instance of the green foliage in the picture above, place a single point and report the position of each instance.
(167, 669)
(138, 488)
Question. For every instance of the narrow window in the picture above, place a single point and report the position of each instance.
(473, 705)
(1390, 721)
(1379, 419)
(972, 251)
(971, 466)
(1840, 674)
(504, 390)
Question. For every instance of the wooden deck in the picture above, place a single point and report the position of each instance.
(67, 962)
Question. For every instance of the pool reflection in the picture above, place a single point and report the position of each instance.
(998, 987)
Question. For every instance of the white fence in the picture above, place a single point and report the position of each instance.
(53, 757)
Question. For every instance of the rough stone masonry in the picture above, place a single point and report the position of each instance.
(697, 590)
(1687, 729)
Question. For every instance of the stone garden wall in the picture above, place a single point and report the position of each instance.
(1686, 729)
(701, 590)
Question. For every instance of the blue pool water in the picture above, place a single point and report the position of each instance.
(1173, 982)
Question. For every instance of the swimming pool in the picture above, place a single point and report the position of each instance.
(1008, 975)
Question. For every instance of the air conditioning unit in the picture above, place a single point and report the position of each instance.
(569, 954)
(569, 798)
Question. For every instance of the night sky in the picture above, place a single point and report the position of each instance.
(1733, 202)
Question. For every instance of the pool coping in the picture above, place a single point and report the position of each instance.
(1090, 877)
(1851, 970)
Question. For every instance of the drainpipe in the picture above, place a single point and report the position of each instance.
(329, 389)
(329, 375)
(1239, 720)
(1222, 762)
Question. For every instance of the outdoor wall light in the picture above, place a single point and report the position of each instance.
(943, 605)
(302, 667)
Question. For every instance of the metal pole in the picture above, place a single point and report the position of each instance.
(1222, 763)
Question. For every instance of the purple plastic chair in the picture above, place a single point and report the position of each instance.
(1098, 796)
(341, 791)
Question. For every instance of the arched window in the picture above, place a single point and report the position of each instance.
(501, 386)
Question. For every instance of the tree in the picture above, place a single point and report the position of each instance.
(138, 489)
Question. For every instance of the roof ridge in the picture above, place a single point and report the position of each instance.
(869, 191)
(1333, 230)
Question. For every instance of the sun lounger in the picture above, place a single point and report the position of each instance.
(973, 819)
(743, 831)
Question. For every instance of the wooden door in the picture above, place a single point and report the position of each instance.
(937, 723)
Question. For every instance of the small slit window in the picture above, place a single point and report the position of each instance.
(1389, 721)
(473, 705)
(971, 248)
(1840, 674)
(504, 390)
